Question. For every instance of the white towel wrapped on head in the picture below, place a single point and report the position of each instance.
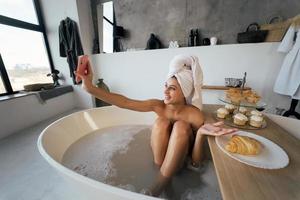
(189, 75)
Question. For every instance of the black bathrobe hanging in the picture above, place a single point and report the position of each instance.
(70, 44)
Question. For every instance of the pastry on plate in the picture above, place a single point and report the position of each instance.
(240, 119)
(243, 145)
(236, 99)
(236, 96)
(232, 91)
(256, 121)
(222, 113)
(253, 98)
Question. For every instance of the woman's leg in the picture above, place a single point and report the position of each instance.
(175, 152)
(160, 139)
(178, 148)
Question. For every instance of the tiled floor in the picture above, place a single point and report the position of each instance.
(24, 174)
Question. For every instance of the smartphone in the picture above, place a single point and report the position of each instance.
(82, 67)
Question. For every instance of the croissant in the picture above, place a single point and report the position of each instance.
(243, 145)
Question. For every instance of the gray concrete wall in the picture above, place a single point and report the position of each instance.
(172, 19)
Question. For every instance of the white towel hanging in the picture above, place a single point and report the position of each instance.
(288, 79)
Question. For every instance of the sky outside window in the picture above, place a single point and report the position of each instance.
(24, 56)
(2, 89)
(108, 27)
(108, 10)
(19, 9)
(107, 37)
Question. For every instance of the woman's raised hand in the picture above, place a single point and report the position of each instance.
(215, 129)
(84, 72)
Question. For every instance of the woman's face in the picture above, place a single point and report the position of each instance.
(173, 92)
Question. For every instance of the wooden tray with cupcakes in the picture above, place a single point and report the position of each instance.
(242, 108)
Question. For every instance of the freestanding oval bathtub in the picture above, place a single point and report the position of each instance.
(60, 135)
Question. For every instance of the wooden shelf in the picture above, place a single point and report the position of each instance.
(216, 87)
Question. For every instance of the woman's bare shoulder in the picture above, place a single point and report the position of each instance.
(195, 116)
(193, 110)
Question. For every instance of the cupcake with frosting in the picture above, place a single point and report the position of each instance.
(240, 119)
(222, 113)
(256, 121)
(243, 110)
(230, 107)
(257, 113)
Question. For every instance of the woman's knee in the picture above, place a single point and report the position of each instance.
(182, 129)
(162, 123)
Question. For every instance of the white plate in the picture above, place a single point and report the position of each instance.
(271, 156)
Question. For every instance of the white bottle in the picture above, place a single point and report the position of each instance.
(213, 41)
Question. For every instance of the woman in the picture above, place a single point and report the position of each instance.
(179, 125)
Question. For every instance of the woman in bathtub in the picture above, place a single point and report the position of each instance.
(179, 129)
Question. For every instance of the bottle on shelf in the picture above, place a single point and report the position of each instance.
(197, 38)
(191, 38)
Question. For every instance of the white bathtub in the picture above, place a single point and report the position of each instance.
(57, 138)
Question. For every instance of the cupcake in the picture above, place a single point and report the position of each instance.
(230, 108)
(257, 113)
(240, 119)
(222, 113)
(243, 110)
(256, 121)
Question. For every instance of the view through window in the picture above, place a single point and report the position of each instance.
(108, 23)
(2, 89)
(23, 51)
(19, 9)
(25, 61)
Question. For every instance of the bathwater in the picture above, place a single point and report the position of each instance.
(121, 156)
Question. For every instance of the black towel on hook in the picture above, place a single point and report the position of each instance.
(70, 44)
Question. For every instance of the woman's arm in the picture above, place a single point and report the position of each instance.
(198, 150)
(203, 131)
(85, 73)
(122, 101)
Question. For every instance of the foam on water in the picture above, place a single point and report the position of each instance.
(91, 155)
(121, 156)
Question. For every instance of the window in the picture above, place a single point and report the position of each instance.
(24, 51)
(2, 89)
(108, 24)
(19, 9)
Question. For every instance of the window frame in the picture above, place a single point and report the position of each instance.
(28, 26)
